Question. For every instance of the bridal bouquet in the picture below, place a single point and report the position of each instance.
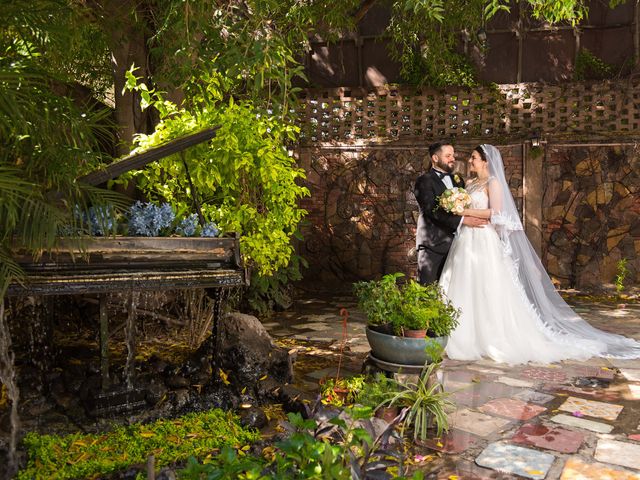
(455, 200)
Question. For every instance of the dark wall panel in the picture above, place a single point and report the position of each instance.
(613, 45)
(548, 56)
(378, 68)
(501, 59)
(333, 65)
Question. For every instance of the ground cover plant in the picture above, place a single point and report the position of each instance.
(170, 441)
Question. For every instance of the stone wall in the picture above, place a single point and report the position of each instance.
(591, 212)
(578, 193)
(362, 211)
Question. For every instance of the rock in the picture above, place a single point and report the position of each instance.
(253, 417)
(177, 381)
(250, 353)
(166, 474)
(181, 398)
(293, 400)
(155, 391)
(90, 386)
(268, 388)
(39, 409)
(73, 377)
(63, 399)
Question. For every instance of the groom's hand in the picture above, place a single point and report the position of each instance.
(474, 221)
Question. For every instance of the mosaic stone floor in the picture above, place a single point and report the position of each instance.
(569, 420)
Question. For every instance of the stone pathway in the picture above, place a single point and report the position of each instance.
(569, 420)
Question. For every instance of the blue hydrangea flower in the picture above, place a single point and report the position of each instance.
(188, 226)
(147, 219)
(97, 220)
(100, 220)
(210, 230)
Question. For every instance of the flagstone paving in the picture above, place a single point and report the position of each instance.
(581, 407)
(550, 438)
(573, 420)
(582, 423)
(511, 408)
(507, 458)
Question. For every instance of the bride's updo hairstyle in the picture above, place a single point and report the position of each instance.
(483, 155)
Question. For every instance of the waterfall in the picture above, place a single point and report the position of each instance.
(8, 379)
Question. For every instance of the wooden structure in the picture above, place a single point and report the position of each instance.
(101, 265)
(389, 114)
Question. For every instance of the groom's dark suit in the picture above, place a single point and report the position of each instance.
(436, 227)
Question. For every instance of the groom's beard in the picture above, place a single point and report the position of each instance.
(445, 167)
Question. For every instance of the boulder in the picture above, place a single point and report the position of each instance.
(249, 354)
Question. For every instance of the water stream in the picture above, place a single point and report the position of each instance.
(130, 337)
(8, 379)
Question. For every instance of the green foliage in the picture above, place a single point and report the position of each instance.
(87, 455)
(255, 44)
(267, 293)
(434, 350)
(343, 448)
(378, 299)
(59, 37)
(341, 391)
(376, 390)
(409, 306)
(590, 67)
(552, 11)
(244, 178)
(426, 401)
(621, 275)
(556, 11)
(48, 140)
(418, 306)
(425, 36)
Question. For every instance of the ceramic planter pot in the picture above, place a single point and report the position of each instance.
(400, 350)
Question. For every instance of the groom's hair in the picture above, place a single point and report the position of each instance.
(435, 148)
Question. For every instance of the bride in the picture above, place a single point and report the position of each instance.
(511, 311)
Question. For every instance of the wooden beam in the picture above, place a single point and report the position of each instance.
(137, 161)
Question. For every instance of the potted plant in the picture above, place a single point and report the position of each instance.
(340, 391)
(426, 401)
(392, 309)
(375, 393)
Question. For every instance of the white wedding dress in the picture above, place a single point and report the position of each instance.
(510, 310)
(497, 320)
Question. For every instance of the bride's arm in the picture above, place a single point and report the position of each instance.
(476, 212)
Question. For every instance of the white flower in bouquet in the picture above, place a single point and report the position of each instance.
(455, 200)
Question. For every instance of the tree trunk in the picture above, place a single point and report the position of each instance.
(124, 22)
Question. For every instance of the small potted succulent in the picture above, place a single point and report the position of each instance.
(394, 309)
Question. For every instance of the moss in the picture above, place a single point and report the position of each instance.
(170, 441)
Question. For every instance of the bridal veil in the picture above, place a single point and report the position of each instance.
(553, 314)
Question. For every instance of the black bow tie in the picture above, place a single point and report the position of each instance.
(443, 174)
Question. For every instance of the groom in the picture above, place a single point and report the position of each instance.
(436, 228)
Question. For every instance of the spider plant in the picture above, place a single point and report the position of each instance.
(426, 402)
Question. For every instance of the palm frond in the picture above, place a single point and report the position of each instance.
(10, 271)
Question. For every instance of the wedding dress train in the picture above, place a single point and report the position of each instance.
(510, 311)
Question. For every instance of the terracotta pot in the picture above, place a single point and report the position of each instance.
(387, 413)
(414, 333)
(341, 393)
